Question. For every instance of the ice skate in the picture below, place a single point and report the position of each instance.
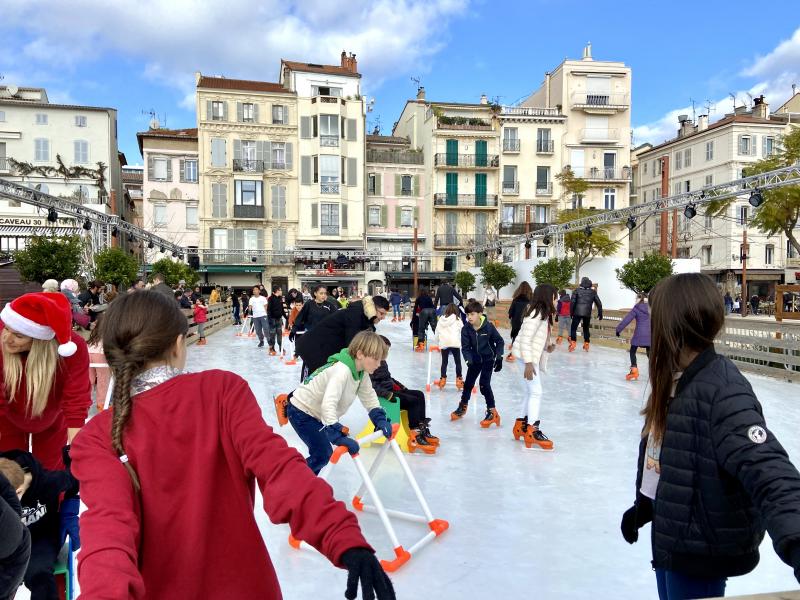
(394, 319)
(585, 346)
(559, 339)
(281, 400)
(272, 352)
(417, 441)
(572, 344)
(520, 427)
(420, 347)
(424, 429)
(492, 416)
(536, 440)
(459, 412)
(459, 383)
(633, 375)
(510, 357)
(440, 383)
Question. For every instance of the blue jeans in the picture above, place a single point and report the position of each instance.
(395, 310)
(675, 586)
(311, 432)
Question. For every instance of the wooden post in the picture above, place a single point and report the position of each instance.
(664, 194)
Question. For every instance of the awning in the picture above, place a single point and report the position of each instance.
(332, 245)
(9, 230)
(229, 269)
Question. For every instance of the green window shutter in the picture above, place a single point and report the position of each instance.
(378, 185)
(480, 189)
(398, 185)
(416, 185)
(451, 188)
(398, 211)
(384, 216)
(480, 153)
(314, 215)
(452, 153)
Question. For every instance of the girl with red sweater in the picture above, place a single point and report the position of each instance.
(178, 458)
(45, 396)
(201, 318)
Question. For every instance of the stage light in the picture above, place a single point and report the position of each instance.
(690, 211)
(114, 231)
(468, 257)
(130, 237)
(150, 245)
(527, 244)
(52, 215)
(499, 250)
(588, 231)
(546, 240)
(756, 199)
(161, 248)
(87, 224)
(631, 223)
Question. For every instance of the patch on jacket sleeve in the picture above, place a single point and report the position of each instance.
(757, 434)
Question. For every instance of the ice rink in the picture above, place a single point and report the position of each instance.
(522, 523)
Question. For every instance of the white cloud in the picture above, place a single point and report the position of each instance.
(238, 38)
(771, 75)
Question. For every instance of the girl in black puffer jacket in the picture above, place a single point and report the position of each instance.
(711, 475)
(516, 312)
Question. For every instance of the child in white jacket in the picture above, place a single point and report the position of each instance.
(532, 346)
(449, 331)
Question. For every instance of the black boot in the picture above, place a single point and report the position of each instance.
(425, 431)
(459, 412)
(417, 441)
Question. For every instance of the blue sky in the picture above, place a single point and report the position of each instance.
(142, 56)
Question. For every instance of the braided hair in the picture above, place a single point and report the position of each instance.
(138, 329)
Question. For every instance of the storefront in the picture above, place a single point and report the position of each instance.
(16, 230)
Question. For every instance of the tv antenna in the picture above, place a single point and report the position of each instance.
(416, 80)
(694, 113)
(710, 107)
(154, 124)
(733, 97)
(749, 95)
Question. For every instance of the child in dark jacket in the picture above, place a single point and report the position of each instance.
(15, 541)
(411, 401)
(641, 334)
(39, 496)
(482, 347)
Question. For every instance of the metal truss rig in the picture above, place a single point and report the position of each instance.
(10, 190)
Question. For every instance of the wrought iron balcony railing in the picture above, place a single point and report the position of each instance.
(545, 146)
(510, 145)
(465, 200)
(248, 166)
(478, 161)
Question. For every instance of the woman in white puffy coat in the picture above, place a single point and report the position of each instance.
(449, 331)
(532, 347)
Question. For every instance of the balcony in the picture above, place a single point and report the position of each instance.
(545, 146)
(4, 164)
(607, 174)
(463, 123)
(600, 103)
(248, 212)
(329, 141)
(595, 135)
(544, 188)
(465, 200)
(511, 187)
(520, 228)
(470, 161)
(246, 165)
(395, 158)
(510, 145)
(327, 99)
(529, 111)
(454, 240)
(329, 230)
(329, 188)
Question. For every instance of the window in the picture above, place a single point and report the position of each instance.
(2, 116)
(219, 238)
(160, 215)
(706, 255)
(219, 201)
(248, 193)
(80, 121)
(375, 216)
(742, 215)
(769, 146)
(191, 217)
(217, 111)
(328, 130)
(41, 149)
(322, 90)
(791, 251)
(678, 160)
(745, 145)
(709, 222)
(279, 116)
(710, 150)
(687, 186)
(709, 180)
(510, 179)
(81, 152)
(683, 252)
(250, 239)
(677, 188)
(687, 157)
(406, 185)
(609, 198)
(658, 224)
(160, 169)
(541, 214)
(769, 254)
(329, 166)
(406, 217)
(278, 202)
(510, 139)
(329, 219)
(41, 119)
(372, 184)
(645, 167)
(190, 170)
(278, 239)
(278, 155)
(660, 165)
(248, 112)
(576, 201)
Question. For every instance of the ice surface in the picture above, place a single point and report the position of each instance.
(522, 523)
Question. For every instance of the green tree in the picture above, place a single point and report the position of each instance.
(585, 248)
(114, 265)
(465, 282)
(780, 211)
(174, 271)
(642, 274)
(572, 185)
(50, 257)
(556, 271)
(497, 275)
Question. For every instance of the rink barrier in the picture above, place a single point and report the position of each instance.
(219, 317)
(436, 527)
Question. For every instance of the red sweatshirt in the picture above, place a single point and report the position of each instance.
(71, 394)
(200, 313)
(199, 444)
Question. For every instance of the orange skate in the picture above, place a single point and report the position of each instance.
(492, 416)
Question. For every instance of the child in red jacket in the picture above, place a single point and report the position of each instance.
(151, 470)
(201, 318)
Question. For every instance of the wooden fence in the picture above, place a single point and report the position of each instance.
(219, 317)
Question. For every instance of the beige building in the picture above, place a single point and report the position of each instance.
(703, 155)
(247, 167)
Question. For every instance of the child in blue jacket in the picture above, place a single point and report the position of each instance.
(482, 347)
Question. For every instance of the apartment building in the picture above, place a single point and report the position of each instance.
(170, 188)
(55, 148)
(394, 202)
(703, 155)
(461, 147)
(247, 169)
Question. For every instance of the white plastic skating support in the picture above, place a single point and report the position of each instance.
(248, 328)
(430, 383)
(110, 390)
(436, 526)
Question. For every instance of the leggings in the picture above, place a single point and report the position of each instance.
(45, 445)
(533, 389)
(574, 328)
(413, 402)
(427, 316)
(633, 353)
(456, 352)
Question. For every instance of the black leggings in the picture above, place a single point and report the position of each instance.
(456, 352)
(633, 353)
(574, 329)
(413, 402)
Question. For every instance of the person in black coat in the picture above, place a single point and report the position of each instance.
(313, 312)
(445, 294)
(15, 541)
(516, 312)
(276, 313)
(581, 312)
(711, 475)
(426, 312)
(336, 331)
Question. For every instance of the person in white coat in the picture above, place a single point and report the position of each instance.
(449, 331)
(532, 347)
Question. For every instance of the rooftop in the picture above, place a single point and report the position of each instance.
(170, 134)
(386, 139)
(727, 120)
(243, 85)
(315, 68)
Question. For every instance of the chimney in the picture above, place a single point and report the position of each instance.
(702, 122)
(547, 90)
(686, 126)
(740, 110)
(587, 51)
(760, 108)
(420, 93)
(349, 62)
(484, 99)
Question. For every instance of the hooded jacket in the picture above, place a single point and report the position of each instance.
(582, 300)
(449, 331)
(516, 313)
(532, 340)
(641, 334)
(312, 313)
(395, 299)
(563, 306)
(482, 344)
(445, 294)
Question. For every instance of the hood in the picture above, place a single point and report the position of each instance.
(586, 282)
(369, 307)
(343, 356)
(564, 297)
(449, 319)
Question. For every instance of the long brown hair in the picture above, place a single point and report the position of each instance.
(137, 330)
(524, 291)
(686, 313)
(542, 303)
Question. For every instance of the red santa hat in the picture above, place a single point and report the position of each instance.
(42, 316)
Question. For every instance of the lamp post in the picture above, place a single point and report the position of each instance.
(414, 261)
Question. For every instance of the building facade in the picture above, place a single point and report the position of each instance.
(247, 162)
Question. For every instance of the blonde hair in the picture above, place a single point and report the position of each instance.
(40, 370)
(13, 472)
(369, 344)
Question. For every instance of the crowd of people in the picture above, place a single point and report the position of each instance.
(711, 478)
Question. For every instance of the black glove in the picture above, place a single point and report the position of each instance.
(498, 364)
(556, 318)
(618, 334)
(291, 336)
(599, 316)
(630, 531)
(362, 566)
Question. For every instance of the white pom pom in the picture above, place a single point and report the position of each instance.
(67, 349)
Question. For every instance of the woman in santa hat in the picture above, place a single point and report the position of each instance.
(45, 396)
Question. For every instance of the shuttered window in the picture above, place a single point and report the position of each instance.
(218, 154)
(278, 193)
(81, 152)
(219, 201)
